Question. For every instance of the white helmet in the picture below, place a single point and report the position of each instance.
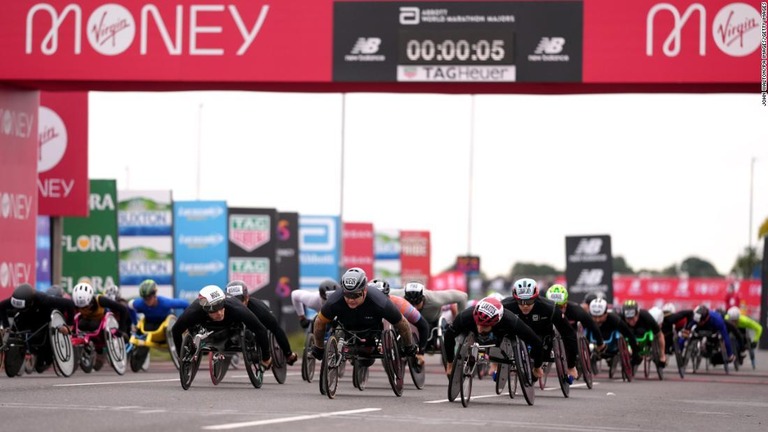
(525, 289)
(112, 291)
(598, 307)
(211, 298)
(82, 295)
(733, 313)
(668, 308)
(657, 314)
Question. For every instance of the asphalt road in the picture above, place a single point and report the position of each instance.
(155, 401)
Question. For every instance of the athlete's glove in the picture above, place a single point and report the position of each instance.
(304, 322)
(317, 352)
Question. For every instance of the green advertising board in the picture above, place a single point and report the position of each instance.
(89, 244)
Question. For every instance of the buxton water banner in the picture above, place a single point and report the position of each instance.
(145, 224)
(89, 245)
(319, 254)
(252, 252)
(386, 253)
(200, 246)
(287, 256)
(43, 262)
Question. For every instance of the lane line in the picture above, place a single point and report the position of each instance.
(114, 382)
(287, 419)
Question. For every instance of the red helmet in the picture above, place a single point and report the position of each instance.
(488, 312)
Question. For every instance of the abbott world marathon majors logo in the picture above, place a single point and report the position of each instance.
(52, 139)
(735, 29)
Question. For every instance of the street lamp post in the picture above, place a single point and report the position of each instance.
(471, 176)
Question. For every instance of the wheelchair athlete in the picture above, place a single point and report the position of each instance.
(489, 321)
(410, 313)
(32, 311)
(215, 311)
(574, 313)
(239, 290)
(154, 307)
(358, 308)
(91, 309)
(307, 299)
(608, 324)
(712, 321)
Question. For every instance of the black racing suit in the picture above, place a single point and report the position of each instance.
(265, 315)
(614, 323)
(234, 313)
(575, 313)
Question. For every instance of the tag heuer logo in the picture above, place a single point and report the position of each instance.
(253, 271)
(249, 231)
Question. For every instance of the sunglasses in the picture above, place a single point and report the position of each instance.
(528, 302)
(353, 296)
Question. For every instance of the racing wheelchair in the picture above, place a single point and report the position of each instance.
(584, 365)
(18, 343)
(616, 353)
(142, 340)
(308, 362)
(650, 352)
(219, 345)
(561, 364)
(87, 343)
(360, 346)
(514, 366)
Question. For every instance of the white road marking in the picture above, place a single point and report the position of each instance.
(572, 386)
(707, 412)
(114, 382)
(287, 419)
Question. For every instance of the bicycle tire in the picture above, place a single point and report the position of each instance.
(137, 358)
(543, 380)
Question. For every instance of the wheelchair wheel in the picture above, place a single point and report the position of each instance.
(468, 370)
(724, 355)
(584, 361)
(680, 359)
(329, 367)
(502, 369)
(543, 380)
(115, 345)
(279, 366)
(393, 365)
(561, 367)
(418, 373)
(656, 355)
(612, 364)
(646, 366)
(734, 345)
(14, 357)
(138, 358)
(455, 380)
(169, 341)
(87, 356)
(61, 344)
(252, 358)
(524, 371)
(625, 360)
(218, 365)
(189, 361)
(359, 375)
(307, 361)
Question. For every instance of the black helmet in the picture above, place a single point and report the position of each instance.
(354, 280)
(414, 292)
(630, 309)
(55, 291)
(701, 313)
(237, 289)
(325, 286)
(381, 285)
(23, 297)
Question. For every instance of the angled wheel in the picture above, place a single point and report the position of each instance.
(625, 360)
(468, 369)
(329, 367)
(656, 355)
(63, 354)
(189, 362)
(169, 341)
(115, 344)
(418, 373)
(252, 358)
(524, 371)
(561, 367)
(543, 380)
(87, 357)
(680, 358)
(359, 375)
(646, 366)
(584, 361)
(139, 359)
(393, 365)
(307, 361)
(218, 365)
(502, 368)
(14, 356)
(456, 379)
(724, 354)
(279, 366)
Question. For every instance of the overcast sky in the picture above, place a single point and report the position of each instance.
(667, 176)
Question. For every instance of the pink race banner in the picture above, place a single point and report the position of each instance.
(18, 194)
(415, 256)
(357, 246)
(449, 280)
(62, 166)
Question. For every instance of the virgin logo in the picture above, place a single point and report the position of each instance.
(52, 139)
(111, 29)
(735, 29)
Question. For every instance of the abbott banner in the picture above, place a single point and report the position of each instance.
(589, 266)
(319, 254)
(200, 246)
(89, 245)
(145, 224)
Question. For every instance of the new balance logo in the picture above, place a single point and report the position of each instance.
(589, 246)
(590, 277)
(366, 45)
(550, 45)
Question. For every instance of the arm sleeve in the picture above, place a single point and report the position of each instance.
(178, 304)
(118, 309)
(423, 329)
(454, 329)
(753, 325)
(298, 305)
(391, 313)
(460, 298)
(569, 337)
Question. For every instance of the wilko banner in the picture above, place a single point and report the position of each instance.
(200, 246)
(89, 245)
(43, 262)
(18, 187)
(319, 255)
(449, 280)
(654, 41)
(62, 166)
(358, 246)
(252, 246)
(686, 293)
(236, 40)
(386, 254)
(287, 254)
(457, 41)
(145, 224)
(415, 256)
(589, 266)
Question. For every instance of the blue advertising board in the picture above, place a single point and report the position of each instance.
(200, 246)
(319, 250)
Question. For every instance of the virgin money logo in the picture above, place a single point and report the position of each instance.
(52, 139)
(111, 29)
(735, 29)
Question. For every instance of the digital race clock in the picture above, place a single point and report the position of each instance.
(456, 47)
